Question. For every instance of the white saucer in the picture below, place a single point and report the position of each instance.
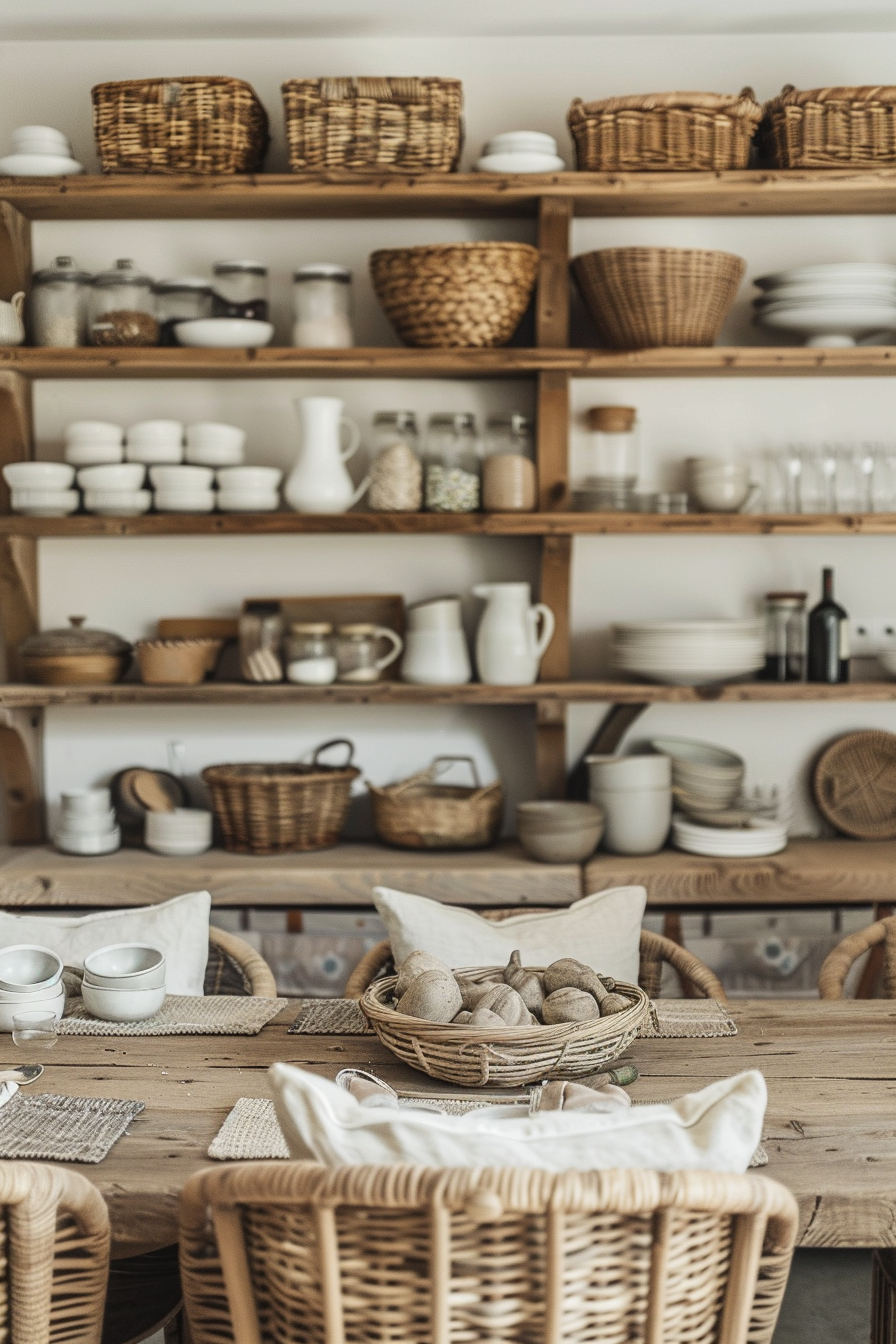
(224, 333)
(520, 163)
(39, 165)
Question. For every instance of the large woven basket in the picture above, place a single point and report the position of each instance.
(664, 131)
(642, 297)
(276, 809)
(420, 813)
(208, 124)
(508, 1057)
(455, 294)
(377, 125)
(830, 128)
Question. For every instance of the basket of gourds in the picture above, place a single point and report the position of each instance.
(503, 1026)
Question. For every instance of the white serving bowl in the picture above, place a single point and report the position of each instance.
(28, 968)
(122, 1005)
(121, 476)
(214, 455)
(636, 821)
(39, 475)
(185, 501)
(39, 165)
(185, 830)
(86, 802)
(156, 431)
(519, 163)
(208, 433)
(45, 503)
(72, 842)
(155, 454)
(82, 453)
(224, 333)
(834, 326)
(118, 503)
(53, 1005)
(248, 501)
(94, 431)
(260, 480)
(109, 965)
(692, 752)
(629, 772)
(516, 142)
(177, 479)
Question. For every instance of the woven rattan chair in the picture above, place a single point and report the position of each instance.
(837, 964)
(234, 967)
(409, 1255)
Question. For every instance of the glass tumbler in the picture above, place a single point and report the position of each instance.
(35, 1030)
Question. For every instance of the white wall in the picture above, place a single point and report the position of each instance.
(128, 584)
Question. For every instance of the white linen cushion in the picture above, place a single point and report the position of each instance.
(179, 928)
(716, 1129)
(601, 930)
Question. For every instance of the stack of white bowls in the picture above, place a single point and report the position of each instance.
(688, 653)
(831, 305)
(179, 833)
(94, 443)
(635, 793)
(212, 445)
(115, 490)
(30, 981)
(183, 489)
(718, 484)
(87, 824)
(40, 151)
(41, 489)
(155, 442)
(705, 778)
(520, 152)
(752, 841)
(249, 489)
(124, 982)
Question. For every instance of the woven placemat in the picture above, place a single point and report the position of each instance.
(330, 1017)
(182, 1015)
(48, 1128)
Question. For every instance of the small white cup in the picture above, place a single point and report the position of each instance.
(84, 454)
(156, 431)
(86, 802)
(206, 432)
(38, 475)
(181, 479)
(94, 431)
(122, 476)
(251, 479)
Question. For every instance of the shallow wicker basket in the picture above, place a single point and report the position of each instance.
(419, 813)
(664, 132)
(176, 662)
(830, 128)
(377, 125)
(277, 809)
(642, 297)
(455, 294)
(512, 1057)
(211, 124)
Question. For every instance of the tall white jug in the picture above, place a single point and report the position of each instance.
(319, 481)
(509, 648)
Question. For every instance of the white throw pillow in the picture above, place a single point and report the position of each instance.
(601, 930)
(716, 1129)
(179, 928)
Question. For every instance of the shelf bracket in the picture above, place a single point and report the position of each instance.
(20, 771)
(550, 749)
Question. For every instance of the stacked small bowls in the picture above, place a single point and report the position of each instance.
(705, 778)
(718, 484)
(213, 445)
(688, 653)
(559, 832)
(94, 443)
(30, 979)
(124, 982)
(116, 490)
(156, 442)
(520, 152)
(41, 489)
(87, 824)
(635, 793)
(179, 833)
(249, 489)
(183, 489)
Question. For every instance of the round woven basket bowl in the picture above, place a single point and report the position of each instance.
(643, 297)
(511, 1057)
(455, 294)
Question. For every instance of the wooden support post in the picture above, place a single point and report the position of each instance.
(15, 425)
(552, 300)
(18, 598)
(15, 251)
(553, 441)
(550, 749)
(20, 775)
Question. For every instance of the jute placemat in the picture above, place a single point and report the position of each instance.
(330, 1017)
(182, 1015)
(48, 1128)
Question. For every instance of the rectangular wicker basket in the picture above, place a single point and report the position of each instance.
(377, 125)
(211, 124)
(664, 131)
(830, 128)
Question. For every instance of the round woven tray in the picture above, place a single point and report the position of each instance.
(512, 1057)
(854, 783)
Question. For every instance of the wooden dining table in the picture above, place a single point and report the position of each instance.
(830, 1129)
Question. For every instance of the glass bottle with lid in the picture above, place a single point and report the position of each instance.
(122, 307)
(309, 653)
(396, 474)
(261, 635)
(611, 458)
(57, 304)
(785, 637)
(452, 465)
(508, 464)
(322, 295)
(184, 299)
(240, 289)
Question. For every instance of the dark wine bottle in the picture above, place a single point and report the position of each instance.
(828, 656)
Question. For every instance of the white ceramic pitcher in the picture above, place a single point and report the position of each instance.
(319, 481)
(12, 327)
(509, 648)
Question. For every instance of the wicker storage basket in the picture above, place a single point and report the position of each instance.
(210, 124)
(505, 1057)
(418, 813)
(641, 297)
(664, 131)
(455, 294)
(378, 125)
(830, 128)
(275, 809)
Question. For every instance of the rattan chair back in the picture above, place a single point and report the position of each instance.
(235, 968)
(838, 963)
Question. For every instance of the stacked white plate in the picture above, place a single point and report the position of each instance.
(747, 842)
(688, 653)
(831, 305)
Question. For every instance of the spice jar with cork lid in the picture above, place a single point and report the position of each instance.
(611, 458)
(122, 307)
(508, 466)
(396, 473)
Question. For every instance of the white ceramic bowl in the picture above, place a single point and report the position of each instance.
(185, 501)
(252, 479)
(39, 475)
(214, 455)
(122, 1005)
(82, 453)
(636, 821)
(109, 965)
(47, 137)
(118, 503)
(693, 752)
(224, 333)
(521, 142)
(53, 1005)
(28, 967)
(39, 165)
(178, 479)
(519, 163)
(208, 433)
(71, 842)
(100, 823)
(246, 501)
(156, 431)
(31, 998)
(630, 772)
(86, 802)
(45, 503)
(94, 431)
(121, 476)
(186, 830)
(155, 454)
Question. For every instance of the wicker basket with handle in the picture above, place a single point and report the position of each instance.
(643, 297)
(664, 131)
(276, 809)
(206, 124)
(830, 128)
(508, 1056)
(374, 124)
(420, 813)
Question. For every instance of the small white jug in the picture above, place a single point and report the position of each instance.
(435, 648)
(319, 481)
(508, 647)
(12, 327)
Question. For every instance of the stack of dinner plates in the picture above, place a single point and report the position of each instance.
(831, 305)
(688, 653)
(752, 841)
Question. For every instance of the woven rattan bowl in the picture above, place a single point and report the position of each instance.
(511, 1057)
(643, 297)
(455, 294)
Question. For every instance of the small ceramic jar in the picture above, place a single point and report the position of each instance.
(309, 654)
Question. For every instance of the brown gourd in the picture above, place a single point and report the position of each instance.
(509, 1006)
(526, 983)
(484, 1017)
(462, 1018)
(567, 973)
(472, 991)
(412, 966)
(569, 1004)
(433, 995)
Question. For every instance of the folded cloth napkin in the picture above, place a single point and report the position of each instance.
(7, 1092)
(564, 1095)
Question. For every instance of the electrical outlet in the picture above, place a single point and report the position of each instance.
(885, 634)
(864, 632)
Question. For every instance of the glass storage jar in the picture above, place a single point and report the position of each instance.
(57, 304)
(508, 465)
(785, 637)
(452, 465)
(309, 653)
(180, 300)
(261, 635)
(610, 460)
(240, 289)
(357, 651)
(396, 473)
(122, 307)
(322, 296)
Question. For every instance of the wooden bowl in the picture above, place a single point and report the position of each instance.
(74, 669)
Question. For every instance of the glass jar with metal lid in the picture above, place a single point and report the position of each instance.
(240, 289)
(309, 654)
(322, 295)
(122, 307)
(785, 637)
(508, 464)
(452, 466)
(396, 474)
(184, 299)
(57, 304)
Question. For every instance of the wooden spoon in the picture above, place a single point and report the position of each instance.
(150, 791)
